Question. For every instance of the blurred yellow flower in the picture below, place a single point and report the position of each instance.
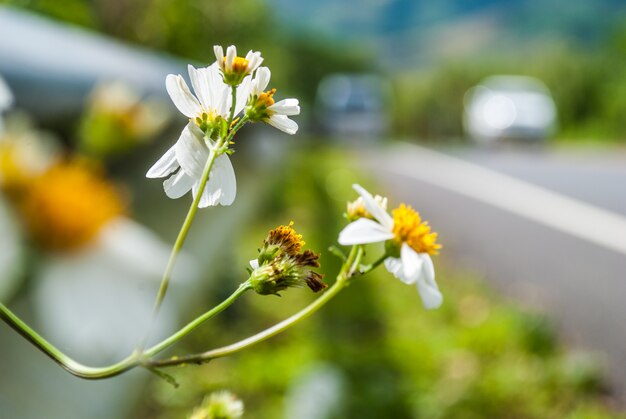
(66, 206)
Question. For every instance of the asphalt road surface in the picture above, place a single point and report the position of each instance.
(546, 228)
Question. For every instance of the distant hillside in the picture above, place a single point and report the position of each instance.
(418, 30)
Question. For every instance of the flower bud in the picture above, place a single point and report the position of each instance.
(282, 264)
(257, 108)
(234, 68)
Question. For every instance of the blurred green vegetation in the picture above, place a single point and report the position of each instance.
(478, 356)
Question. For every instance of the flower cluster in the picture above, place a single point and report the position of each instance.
(409, 242)
(282, 264)
(226, 94)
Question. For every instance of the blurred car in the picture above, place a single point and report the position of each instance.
(509, 107)
(353, 106)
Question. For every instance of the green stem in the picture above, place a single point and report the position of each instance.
(139, 358)
(348, 269)
(184, 230)
(233, 93)
(214, 152)
(132, 361)
(60, 358)
(197, 322)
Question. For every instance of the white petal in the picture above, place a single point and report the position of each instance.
(283, 123)
(216, 87)
(200, 84)
(394, 266)
(412, 263)
(254, 60)
(178, 185)
(243, 91)
(231, 53)
(165, 165)
(261, 80)
(178, 90)
(286, 107)
(219, 54)
(222, 185)
(191, 152)
(254, 263)
(426, 285)
(374, 208)
(363, 231)
(225, 175)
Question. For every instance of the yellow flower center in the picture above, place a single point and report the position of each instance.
(409, 228)
(65, 207)
(286, 238)
(240, 65)
(266, 99)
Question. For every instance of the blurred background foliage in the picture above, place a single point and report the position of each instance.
(478, 356)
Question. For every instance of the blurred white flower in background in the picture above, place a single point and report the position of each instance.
(219, 405)
(97, 301)
(319, 393)
(117, 119)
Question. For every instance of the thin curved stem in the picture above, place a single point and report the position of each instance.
(349, 268)
(197, 322)
(142, 358)
(216, 151)
(184, 230)
(132, 361)
(70, 365)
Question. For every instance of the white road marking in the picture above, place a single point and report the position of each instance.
(580, 219)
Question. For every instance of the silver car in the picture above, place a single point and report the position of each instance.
(509, 107)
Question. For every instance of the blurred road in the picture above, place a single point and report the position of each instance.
(548, 229)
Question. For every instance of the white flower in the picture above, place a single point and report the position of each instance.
(187, 158)
(263, 106)
(212, 100)
(412, 267)
(212, 96)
